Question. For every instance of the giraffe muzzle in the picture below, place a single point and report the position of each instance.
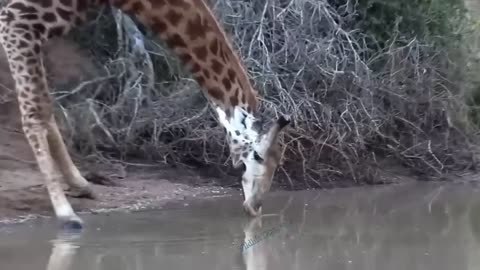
(253, 207)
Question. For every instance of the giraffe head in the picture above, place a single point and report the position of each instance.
(260, 165)
(258, 149)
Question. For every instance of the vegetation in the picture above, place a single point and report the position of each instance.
(366, 81)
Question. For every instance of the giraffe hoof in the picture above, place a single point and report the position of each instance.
(72, 224)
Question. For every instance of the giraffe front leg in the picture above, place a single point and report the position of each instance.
(78, 185)
(36, 133)
(25, 62)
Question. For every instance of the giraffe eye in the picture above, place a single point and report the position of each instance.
(257, 157)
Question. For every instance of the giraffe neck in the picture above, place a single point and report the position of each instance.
(190, 29)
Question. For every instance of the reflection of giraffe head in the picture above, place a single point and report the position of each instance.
(258, 150)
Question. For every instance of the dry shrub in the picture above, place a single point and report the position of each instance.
(353, 107)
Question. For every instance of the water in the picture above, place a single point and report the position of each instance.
(414, 226)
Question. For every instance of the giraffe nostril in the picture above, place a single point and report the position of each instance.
(257, 205)
(252, 208)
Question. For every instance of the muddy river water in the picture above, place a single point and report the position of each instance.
(410, 226)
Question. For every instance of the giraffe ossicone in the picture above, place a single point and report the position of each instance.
(190, 29)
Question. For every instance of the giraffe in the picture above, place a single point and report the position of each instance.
(190, 30)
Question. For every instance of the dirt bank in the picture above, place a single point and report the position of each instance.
(23, 196)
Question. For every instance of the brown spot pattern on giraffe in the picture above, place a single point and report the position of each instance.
(68, 2)
(227, 84)
(49, 17)
(159, 25)
(23, 8)
(176, 41)
(217, 67)
(216, 93)
(231, 75)
(39, 28)
(64, 14)
(137, 8)
(56, 31)
(185, 57)
(45, 3)
(214, 46)
(23, 26)
(173, 17)
(201, 53)
(206, 73)
(29, 16)
(36, 48)
(22, 44)
(27, 36)
(195, 28)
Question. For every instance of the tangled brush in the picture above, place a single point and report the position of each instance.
(354, 105)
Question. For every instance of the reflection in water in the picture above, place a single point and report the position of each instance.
(399, 228)
(409, 227)
(254, 254)
(257, 247)
(63, 251)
